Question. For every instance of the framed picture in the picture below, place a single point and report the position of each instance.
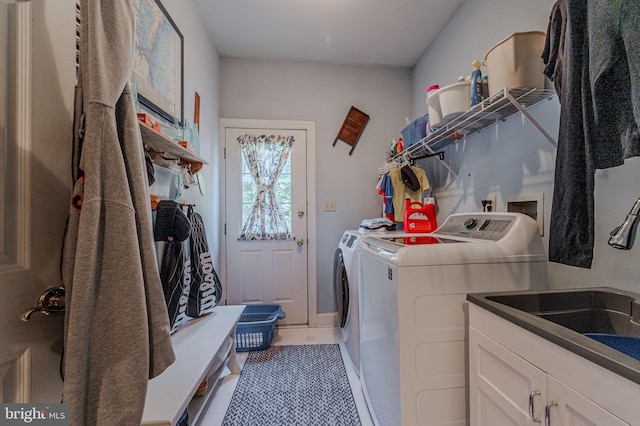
(158, 66)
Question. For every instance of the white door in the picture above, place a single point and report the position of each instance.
(37, 76)
(272, 269)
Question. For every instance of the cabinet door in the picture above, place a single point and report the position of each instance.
(569, 408)
(501, 385)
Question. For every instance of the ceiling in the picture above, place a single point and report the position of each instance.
(365, 32)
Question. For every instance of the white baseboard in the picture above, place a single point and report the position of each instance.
(329, 319)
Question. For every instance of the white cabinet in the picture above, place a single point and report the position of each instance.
(568, 408)
(204, 347)
(518, 378)
(501, 384)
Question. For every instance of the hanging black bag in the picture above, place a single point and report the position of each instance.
(206, 289)
(409, 178)
(175, 274)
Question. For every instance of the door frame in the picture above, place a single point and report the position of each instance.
(310, 128)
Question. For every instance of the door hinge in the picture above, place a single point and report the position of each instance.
(225, 229)
(224, 152)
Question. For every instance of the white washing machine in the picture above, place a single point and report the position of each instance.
(413, 341)
(345, 279)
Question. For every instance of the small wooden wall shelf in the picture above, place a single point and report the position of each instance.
(158, 142)
(352, 127)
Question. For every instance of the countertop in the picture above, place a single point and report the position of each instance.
(577, 343)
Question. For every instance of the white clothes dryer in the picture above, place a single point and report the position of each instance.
(345, 279)
(346, 265)
(413, 310)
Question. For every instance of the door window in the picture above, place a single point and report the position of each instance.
(266, 187)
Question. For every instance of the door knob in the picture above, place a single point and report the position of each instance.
(300, 241)
(300, 213)
(50, 301)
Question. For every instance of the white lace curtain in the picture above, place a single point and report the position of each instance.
(266, 156)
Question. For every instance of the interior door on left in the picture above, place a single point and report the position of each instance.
(37, 78)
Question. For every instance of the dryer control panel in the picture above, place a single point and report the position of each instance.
(349, 240)
(482, 226)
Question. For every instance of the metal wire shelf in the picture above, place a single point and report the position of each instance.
(496, 108)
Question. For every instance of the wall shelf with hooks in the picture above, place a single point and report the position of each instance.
(158, 142)
(496, 108)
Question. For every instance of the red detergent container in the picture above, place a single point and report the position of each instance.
(420, 217)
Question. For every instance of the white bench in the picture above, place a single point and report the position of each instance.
(203, 348)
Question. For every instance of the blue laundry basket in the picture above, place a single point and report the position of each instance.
(415, 131)
(257, 327)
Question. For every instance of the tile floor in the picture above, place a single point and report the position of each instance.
(217, 408)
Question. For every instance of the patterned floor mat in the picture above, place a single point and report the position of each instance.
(293, 385)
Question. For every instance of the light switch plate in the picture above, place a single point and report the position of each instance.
(329, 205)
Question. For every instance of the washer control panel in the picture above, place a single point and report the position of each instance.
(483, 226)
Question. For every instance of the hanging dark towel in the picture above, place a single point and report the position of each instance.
(409, 178)
(206, 289)
(175, 274)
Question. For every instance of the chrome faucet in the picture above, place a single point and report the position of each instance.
(622, 236)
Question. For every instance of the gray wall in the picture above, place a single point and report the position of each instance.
(323, 93)
(513, 158)
(201, 66)
(474, 29)
(509, 159)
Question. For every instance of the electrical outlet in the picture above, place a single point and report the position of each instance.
(329, 205)
(490, 203)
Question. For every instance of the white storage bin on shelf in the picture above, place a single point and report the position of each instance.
(454, 100)
(516, 62)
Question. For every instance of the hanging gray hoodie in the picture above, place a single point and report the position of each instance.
(116, 324)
